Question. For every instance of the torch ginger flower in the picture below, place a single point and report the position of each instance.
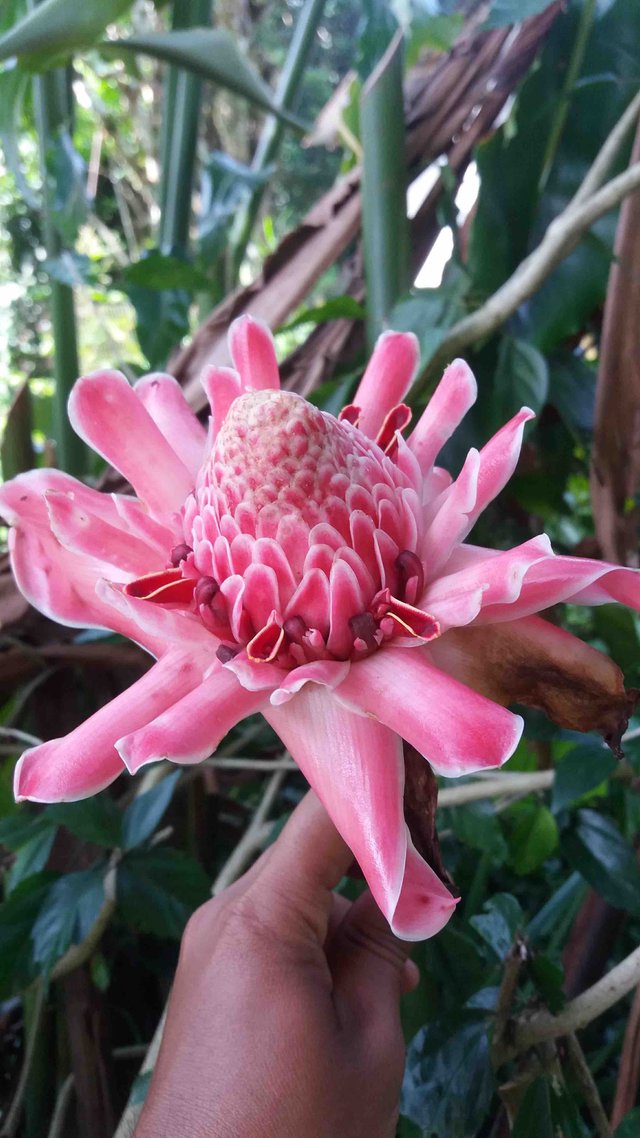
(315, 570)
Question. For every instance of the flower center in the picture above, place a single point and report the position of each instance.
(301, 538)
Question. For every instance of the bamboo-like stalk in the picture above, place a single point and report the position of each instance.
(178, 145)
(52, 112)
(385, 228)
(273, 129)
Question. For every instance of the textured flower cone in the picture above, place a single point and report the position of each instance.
(316, 570)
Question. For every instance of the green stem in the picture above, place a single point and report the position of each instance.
(179, 137)
(52, 111)
(273, 129)
(572, 73)
(385, 228)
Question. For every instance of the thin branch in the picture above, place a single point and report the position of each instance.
(607, 154)
(251, 841)
(249, 764)
(12, 1120)
(561, 237)
(540, 1026)
(20, 736)
(508, 987)
(588, 1087)
(56, 1129)
(509, 783)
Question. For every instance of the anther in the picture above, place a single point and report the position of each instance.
(205, 591)
(179, 553)
(411, 575)
(364, 628)
(225, 652)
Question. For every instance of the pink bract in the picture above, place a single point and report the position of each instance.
(313, 569)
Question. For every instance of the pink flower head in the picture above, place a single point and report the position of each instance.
(316, 570)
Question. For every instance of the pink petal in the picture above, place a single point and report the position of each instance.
(85, 533)
(254, 355)
(456, 729)
(153, 626)
(329, 673)
(221, 385)
(164, 399)
(105, 412)
(356, 768)
(191, 728)
(452, 398)
(85, 761)
(451, 519)
(345, 601)
(388, 377)
(497, 578)
(498, 460)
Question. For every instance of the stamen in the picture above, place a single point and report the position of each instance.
(294, 629)
(350, 414)
(226, 652)
(411, 576)
(266, 643)
(167, 587)
(413, 620)
(206, 590)
(398, 418)
(363, 627)
(179, 553)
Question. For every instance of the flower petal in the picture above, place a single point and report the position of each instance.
(83, 532)
(356, 768)
(191, 729)
(577, 580)
(164, 399)
(254, 355)
(388, 377)
(221, 385)
(451, 519)
(105, 411)
(456, 729)
(453, 397)
(498, 460)
(85, 761)
(532, 662)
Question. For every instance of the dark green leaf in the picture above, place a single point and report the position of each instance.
(476, 825)
(521, 379)
(534, 1116)
(561, 907)
(533, 839)
(96, 819)
(428, 312)
(499, 922)
(630, 1126)
(549, 981)
(483, 1000)
(211, 53)
(432, 32)
(141, 818)
(57, 28)
(158, 889)
(377, 28)
(66, 186)
(512, 12)
(226, 188)
(13, 84)
(68, 912)
(618, 627)
(337, 308)
(572, 390)
(21, 828)
(69, 268)
(163, 320)
(449, 1082)
(158, 271)
(597, 849)
(31, 857)
(17, 916)
(578, 772)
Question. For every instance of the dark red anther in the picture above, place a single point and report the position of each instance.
(294, 629)
(225, 652)
(206, 590)
(364, 628)
(411, 576)
(179, 553)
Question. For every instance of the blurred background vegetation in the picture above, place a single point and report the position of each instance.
(334, 167)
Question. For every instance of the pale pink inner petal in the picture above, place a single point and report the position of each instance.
(164, 399)
(80, 531)
(356, 768)
(85, 761)
(456, 729)
(572, 579)
(453, 397)
(499, 577)
(254, 355)
(451, 520)
(192, 728)
(105, 411)
(387, 379)
(221, 385)
(498, 460)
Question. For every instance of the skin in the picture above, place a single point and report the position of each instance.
(284, 1018)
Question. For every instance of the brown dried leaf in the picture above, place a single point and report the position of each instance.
(532, 662)
(420, 804)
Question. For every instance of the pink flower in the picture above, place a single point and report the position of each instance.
(313, 569)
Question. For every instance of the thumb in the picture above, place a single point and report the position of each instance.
(370, 965)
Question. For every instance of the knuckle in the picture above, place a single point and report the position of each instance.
(369, 937)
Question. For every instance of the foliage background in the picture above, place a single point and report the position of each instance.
(135, 196)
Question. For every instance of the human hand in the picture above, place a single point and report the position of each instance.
(284, 1017)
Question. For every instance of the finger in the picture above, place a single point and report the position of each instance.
(306, 862)
(370, 965)
(339, 908)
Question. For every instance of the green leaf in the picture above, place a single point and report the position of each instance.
(70, 268)
(476, 824)
(21, 828)
(57, 28)
(17, 916)
(429, 312)
(548, 978)
(618, 627)
(597, 849)
(31, 857)
(96, 819)
(521, 379)
(505, 12)
(448, 1082)
(209, 52)
(499, 922)
(337, 308)
(534, 1116)
(67, 913)
(66, 186)
(578, 772)
(162, 320)
(433, 33)
(141, 818)
(572, 390)
(533, 839)
(13, 86)
(159, 271)
(560, 908)
(158, 889)
(630, 1126)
